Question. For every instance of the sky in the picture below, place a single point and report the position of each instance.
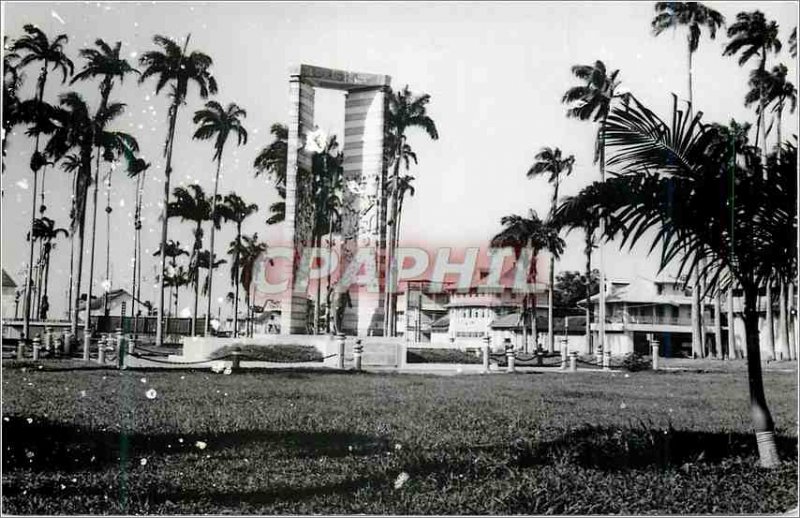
(495, 73)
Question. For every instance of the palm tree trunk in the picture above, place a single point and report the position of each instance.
(731, 330)
(718, 326)
(87, 322)
(588, 291)
(79, 274)
(783, 332)
(198, 247)
(790, 323)
(108, 243)
(697, 344)
(551, 336)
(211, 245)
(389, 291)
(71, 271)
(762, 129)
(47, 274)
(318, 299)
(135, 301)
(236, 281)
(760, 414)
(173, 115)
(523, 314)
(26, 312)
(601, 337)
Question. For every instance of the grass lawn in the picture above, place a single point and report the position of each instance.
(89, 440)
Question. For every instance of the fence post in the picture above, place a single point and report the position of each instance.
(21, 349)
(573, 361)
(37, 345)
(487, 340)
(563, 353)
(654, 348)
(358, 349)
(340, 342)
(236, 362)
(58, 345)
(510, 357)
(607, 360)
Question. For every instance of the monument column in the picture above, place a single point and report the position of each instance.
(364, 204)
(299, 206)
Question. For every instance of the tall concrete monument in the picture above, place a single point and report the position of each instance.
(364, 175)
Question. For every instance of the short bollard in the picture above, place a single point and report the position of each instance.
(340, 358)
(358, 351)
(122, 351)
(102, 343)
(37, 346)
(511, 356)
(47, 343)
(131, 345)
(58, 345)
(539, 357)
(117, 338)
(654, 348)
(21, 349)
(87, 345)
(564, 352)
(236, 361)
(486, 343)
(67, 336)
(607, 361)
(573, 361)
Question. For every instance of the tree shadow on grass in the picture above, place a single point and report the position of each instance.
(618, 449)
(43, 445)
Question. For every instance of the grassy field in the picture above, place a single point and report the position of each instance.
(90, 440)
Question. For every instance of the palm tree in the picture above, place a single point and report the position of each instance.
(670, 177)
(593, 100)
(35, 46)
(406, 111)
(235, 209)
(271, 161)
(175, 277)
(535, 235)
(252, 248)
(137, 168)
(692, 15)
(777, 91)
(104, 62)
(753, 35)
(45, 230)
(217, 122)
(192, 204)
(176, 67)
(71, 164)
(549, 161)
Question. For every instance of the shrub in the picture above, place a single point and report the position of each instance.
(272, 353)
(634, 362)
(416, 355)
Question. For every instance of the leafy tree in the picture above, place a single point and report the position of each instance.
(175, 66)
(45, 231)
(706, 202)
(550, 162)
(218, 123)
(571, 287)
